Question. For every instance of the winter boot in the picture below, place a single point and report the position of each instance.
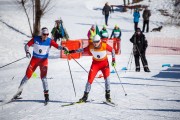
(46, 96)
(84, 98)
(107, 95)
(146, 69)
(137, 69)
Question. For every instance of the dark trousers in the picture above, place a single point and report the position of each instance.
(106, 19)
(143, 59)
(135, 25)
(145, 23)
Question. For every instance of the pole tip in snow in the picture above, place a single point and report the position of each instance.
(125, 94)
(166, 65)
(124, 68)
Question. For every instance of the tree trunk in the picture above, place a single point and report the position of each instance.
(33, 10)
(38, 14)
(124, 8)
(128, 2)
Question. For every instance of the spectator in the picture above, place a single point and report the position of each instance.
(57, 31)
(116, 34)
(136, 15)
(104, 33)
(139, 49)
(106, 10)
(91, 33)
(146, 15)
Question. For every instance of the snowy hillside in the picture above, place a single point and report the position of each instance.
(150, 96)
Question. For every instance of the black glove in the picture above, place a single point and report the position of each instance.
(72, 51)
(28, 55)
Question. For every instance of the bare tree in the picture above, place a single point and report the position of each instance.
(38, 9)
(176, 13)
(128, 2)
(124, 8)
(23, 3)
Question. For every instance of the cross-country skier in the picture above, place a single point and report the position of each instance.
(41, 46)
(100, 62)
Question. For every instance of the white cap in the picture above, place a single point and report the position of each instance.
(96, 38)
(44, 31)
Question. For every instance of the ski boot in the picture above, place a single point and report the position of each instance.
(17, 96)
(46, 96)
(84, 98)
(107, 95)
(146, 69)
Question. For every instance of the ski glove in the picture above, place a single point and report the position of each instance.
(72, 51)
(69, 52)
(66, 51)
(113, 63)
(28, 55)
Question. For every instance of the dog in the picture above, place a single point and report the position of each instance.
(157, 29)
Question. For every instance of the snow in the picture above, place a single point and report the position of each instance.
(150, 96)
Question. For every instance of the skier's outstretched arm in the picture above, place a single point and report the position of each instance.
(79, 50)
(59, 47)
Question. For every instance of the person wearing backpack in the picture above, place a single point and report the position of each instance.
(57, 31)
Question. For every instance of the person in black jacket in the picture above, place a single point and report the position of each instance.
(146, 15)
(139, 49)
(106, 10)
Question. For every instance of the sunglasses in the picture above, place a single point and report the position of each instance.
(95, 41)
(45, 34)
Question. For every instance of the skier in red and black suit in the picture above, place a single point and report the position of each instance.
(100, 62)
(41, 46)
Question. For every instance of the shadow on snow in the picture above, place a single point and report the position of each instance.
(172, 72)
(13, 28)
(160, 110)
(166, 100)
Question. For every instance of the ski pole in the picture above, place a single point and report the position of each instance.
(12, 62)
(79, 64)
(131, 62)
(120, 82)
(71, 76)
(83, 68)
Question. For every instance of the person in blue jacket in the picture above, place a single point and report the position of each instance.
(136, 15)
